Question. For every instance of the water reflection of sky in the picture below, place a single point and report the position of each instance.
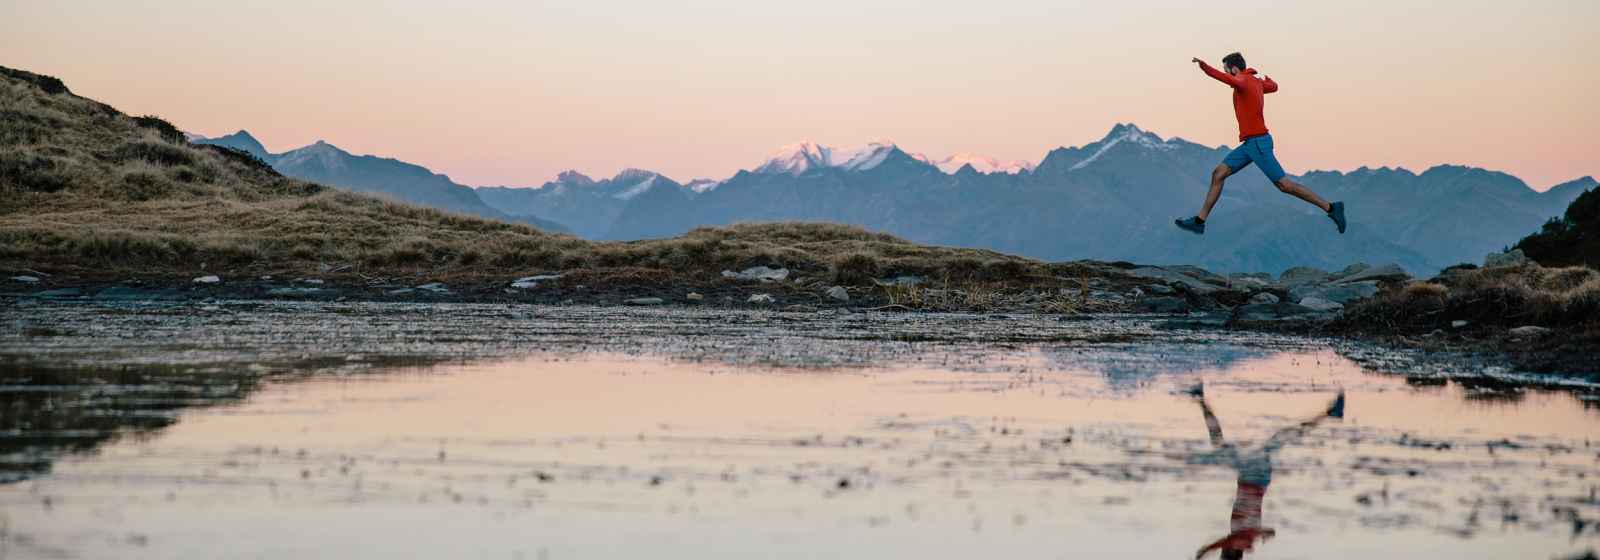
(1126, 366)
(608, 456)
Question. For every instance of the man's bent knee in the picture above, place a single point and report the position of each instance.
(1221, 172)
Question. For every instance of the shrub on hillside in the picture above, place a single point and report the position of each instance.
(20, 172)
(167, 131)
(1570, 240)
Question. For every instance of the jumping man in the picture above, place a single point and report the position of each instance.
(1256, 147)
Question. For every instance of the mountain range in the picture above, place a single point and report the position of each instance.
(325, 163)
(1113, 199)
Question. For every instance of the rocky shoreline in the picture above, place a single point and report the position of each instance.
(1300, 300)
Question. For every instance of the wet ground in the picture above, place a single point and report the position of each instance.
(295, 430)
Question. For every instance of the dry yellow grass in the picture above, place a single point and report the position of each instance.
(88, 190)
(1505, 296)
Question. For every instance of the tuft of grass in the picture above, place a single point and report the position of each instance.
(1506, 296)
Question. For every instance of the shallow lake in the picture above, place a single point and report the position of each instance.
(246, 431)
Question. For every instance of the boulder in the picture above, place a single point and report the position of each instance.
(1459, 324)
(1381, 273)
(1264, 297)
(761, 299)
(25, 279)
(1354, 268)
(839, 293)
(1319, 304)
(1529, 331)
(1513, 257)
(645, 301)
(760, 273)
(1339, 293)
(694, 297)
(1160, 289)
(1278, 313)
(1177, 275)
(435, 287)
(212, 279)
(1249, 283)
(1162, 304)
(1303, 275)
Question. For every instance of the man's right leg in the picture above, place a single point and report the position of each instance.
(1218, 177)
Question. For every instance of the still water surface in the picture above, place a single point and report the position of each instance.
(1033, 451)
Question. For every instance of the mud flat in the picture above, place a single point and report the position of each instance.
(380, 430)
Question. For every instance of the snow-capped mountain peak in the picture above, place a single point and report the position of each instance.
(703, 185)
(800, 157)
(982, 164)
(1125, 134)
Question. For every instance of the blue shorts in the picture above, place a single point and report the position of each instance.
(1257, 150)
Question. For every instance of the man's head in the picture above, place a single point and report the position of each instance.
(1233, 63)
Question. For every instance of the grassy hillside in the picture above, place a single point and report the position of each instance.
(89, 191)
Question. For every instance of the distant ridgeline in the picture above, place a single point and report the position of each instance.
(1113, 199)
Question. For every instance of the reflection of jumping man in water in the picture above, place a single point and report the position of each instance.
(1254, 465)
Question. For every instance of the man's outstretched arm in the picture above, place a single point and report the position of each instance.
(1220, 76)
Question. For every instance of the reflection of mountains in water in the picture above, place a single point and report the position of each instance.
(48, 411)
(1127, 366)
(52, 411)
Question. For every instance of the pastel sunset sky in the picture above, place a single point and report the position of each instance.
(510, 93)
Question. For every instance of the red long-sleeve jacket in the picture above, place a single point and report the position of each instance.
(1248, 98)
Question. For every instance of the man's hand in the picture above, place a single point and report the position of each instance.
(1197, 61)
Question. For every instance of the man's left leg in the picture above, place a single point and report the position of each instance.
(1288, 186)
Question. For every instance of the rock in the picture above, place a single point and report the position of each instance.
(1264, 297)
(400, 292)
(1459, 324)
(1181, 276)
(1278, 312)
(694, 297)
(25, 279)
(1529, 331)
(313, 281)
(1319, 304)
(60, 293)
(761, 273)
(531, 282)
(905, 280)
(1164, 304)
(266, 277)
(761, 299)
(435, 287)
(1338, 293)
(1513, 257)
(1248, 282)
(1352, 269)
(839, 293)
(212, 279)
(1160, 289)
(646, 301)
(1136, 293)
(1382, 273)
(1303, 275)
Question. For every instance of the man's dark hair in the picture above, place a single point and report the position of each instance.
(1235, 60)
